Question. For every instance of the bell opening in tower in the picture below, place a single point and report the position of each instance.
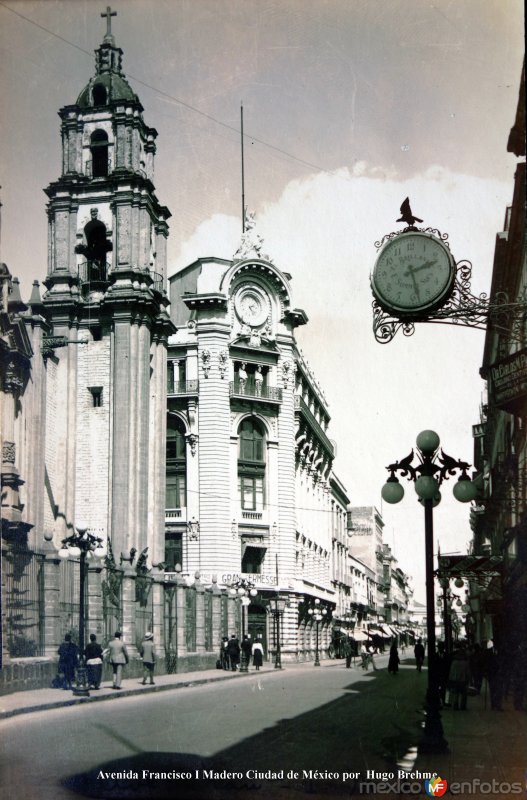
(99, 154)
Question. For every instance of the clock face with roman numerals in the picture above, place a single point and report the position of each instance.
(414, 273)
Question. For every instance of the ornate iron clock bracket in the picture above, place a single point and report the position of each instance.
(461, 308)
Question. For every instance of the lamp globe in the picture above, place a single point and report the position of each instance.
(427, 442)
(426, 487)
(464, 490)
(392, 491)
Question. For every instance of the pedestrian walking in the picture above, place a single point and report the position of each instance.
(68, 660)
(224, 656)
(257, 653)
(347, 651)
(458, 678)
(93, 656)
(365, 657)
(118, 656)
(492, 672)
(393, 661)
(233, 651)
(148, 654)
(475, 661)
(371, 653)
(419, 653)
(246, 649)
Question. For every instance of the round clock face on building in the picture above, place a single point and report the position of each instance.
(414, 272)
(252, 306)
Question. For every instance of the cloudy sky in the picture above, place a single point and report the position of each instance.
(349, 106)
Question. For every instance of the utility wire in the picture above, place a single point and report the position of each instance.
(173, 98)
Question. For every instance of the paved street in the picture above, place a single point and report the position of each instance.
(302, 719)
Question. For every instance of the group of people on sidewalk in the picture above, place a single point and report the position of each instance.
(231, 653)
(93, 657)
(463, 673)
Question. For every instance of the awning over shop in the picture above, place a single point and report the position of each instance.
(257, 546)
(359, 636)
(469, 566)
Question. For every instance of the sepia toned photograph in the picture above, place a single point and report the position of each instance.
(263, 387)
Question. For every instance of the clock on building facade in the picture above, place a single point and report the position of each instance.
(252, 305)
(414, 273)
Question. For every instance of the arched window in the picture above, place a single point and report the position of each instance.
(99, 95)
(176, 468)
(99, 154)
(251, 466)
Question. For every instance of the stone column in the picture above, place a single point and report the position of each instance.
(51, 590)
(200, 615)
(158, 601)
(181, 610)
(128, 599)
(94, 608)
(216, 615)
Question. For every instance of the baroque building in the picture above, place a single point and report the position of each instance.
(84, 422)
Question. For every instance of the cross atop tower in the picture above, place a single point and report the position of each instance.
(109, 14)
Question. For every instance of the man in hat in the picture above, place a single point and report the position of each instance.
(118, 658)
(148, 654)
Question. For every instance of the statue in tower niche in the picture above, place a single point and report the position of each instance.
(96, 247)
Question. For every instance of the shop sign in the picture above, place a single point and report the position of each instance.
(508, 379)
(227, 578)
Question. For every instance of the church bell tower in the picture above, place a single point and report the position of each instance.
(106, 302)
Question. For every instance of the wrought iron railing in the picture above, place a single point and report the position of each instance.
(253, 390)
(314, 424)
(23, 602)
(157, 278)
(182, 387)
(93, 272)
(88, 168)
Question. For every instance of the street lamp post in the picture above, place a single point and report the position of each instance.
(82, 545)
(435, 466)
(245, 590)
(277, 605)
(318, 614)
(447, 615)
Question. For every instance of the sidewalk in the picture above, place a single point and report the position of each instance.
(43, 699)
(485, 746)
(12, 705)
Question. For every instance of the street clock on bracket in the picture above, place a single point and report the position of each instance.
(414, 273)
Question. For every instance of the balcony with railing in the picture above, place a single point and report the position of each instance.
(181, 388)
(303, 409)
(174, 515)
(94, 272)
(103, 167)
(157, 281)
(252, 516)
(254, 391)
